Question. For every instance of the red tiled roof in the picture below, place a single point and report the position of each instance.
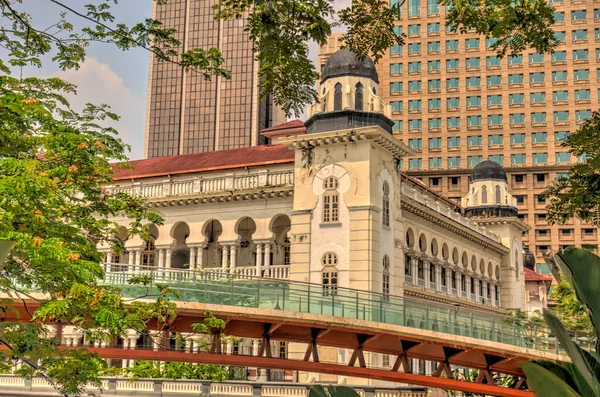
(209, 161)
(530, 275)
(285, 126)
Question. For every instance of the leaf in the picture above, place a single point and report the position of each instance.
(317, 391)
(342, 391)
(582, 270)
(332, 391)
(545, 383)
(572, 350)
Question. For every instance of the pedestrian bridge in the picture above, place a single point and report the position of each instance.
(272, 309)
(404, 328)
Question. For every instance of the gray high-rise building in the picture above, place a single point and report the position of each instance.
(188, 114)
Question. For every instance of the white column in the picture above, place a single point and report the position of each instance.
(225, 256)
(477, 291)
(415, 271)
(468, 285)
(258, 259)
(438, 277)
(449, 281)
(131, 259)
(426, 274)
(458, 284)
(267, 254)
(168, 252)
(109, 257)
(200, 258)
(492, 288)
(138, 257)
(233, 259)
(192, 258)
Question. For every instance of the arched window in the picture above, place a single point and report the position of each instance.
(517, 263)
(385, 205)
(330, 276)
(484, 195)
(432, 273)
(337, 97)
(330, 200)
(358, 97)
(498, 198)
(148, 254)
(385, 287)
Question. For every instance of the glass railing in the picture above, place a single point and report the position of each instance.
(244, 291)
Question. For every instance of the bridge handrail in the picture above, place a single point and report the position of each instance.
(249, 291)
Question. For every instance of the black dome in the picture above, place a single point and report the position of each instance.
(488, 170)
(528, 258)
(346, 63)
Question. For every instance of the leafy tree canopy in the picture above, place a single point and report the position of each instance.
(281, 31)
(569, 310)
(577, 194)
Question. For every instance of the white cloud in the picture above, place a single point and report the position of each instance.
(97, 83)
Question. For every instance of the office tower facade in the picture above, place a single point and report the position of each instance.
(188, 114)
(457, 104)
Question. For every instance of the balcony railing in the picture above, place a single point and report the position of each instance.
(200, 186)
(117, 272)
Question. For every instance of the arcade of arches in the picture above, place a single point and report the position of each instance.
(266, 257)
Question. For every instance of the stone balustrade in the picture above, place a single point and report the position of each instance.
(14, 386)
(202, 186)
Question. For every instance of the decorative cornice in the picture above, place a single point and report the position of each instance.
(447, 299)
(515, 222)
(375, 134)
(452, 226)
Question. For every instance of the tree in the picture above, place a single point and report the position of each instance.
(580, 376)
(281, 31)
(53, 164)
(577, 195)
(569, 310)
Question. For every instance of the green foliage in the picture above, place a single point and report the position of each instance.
(174, 370)
(517, 25)
(280, 29)
(332, 391)
(577, 195)
(569, 309)
(581, 376)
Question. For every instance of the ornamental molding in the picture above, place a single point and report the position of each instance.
(437, 297)
(451, 225)
(374, 134)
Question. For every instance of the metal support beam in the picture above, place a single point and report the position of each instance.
(326, 368)
(444, 365)
(312, 348)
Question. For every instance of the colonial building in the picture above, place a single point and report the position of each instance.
(327, 203)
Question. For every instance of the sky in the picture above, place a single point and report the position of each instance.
(109, 75)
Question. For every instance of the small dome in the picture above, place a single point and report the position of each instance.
(488, 170)
(528, 258)
(346, 63)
